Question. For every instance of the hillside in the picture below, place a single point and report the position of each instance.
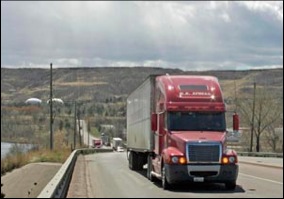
(98, 84)
(100, 94)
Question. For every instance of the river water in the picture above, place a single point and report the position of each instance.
(6, 147)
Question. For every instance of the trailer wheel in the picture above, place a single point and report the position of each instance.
(165, 184)
(231, 185)
(140, 161)
(130, 161)
(133, 161)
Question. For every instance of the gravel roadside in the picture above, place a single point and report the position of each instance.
(78, 186)
(29, 180)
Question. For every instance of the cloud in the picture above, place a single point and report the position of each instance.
(274, 8)
(186, 35)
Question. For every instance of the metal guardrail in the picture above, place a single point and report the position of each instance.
(261, 154)
(58, 185)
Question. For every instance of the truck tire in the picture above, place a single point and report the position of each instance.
(149, 168)
(230, 185)
(139, 161)
(165, 184)
(134, 161)
(131, 160)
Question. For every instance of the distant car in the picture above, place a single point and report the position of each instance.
(120, 149)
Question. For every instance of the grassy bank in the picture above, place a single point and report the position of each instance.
(18, 159)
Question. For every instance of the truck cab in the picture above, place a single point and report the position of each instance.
(188, 133)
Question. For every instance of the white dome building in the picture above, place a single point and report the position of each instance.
(56, 100)
(33, 101)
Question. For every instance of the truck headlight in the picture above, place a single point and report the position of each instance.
(225, 160)
(175, 159)
(232, 159)
(178, 160)
(182, 160)
(229, 159)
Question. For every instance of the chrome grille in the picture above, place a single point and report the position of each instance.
(203, 152)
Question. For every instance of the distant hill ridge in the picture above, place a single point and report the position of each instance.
(98, 83)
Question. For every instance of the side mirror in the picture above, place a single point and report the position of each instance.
(236, 122)
(154, 122)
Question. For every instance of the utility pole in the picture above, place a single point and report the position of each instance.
(252, 120)
(88, 133)
(51, 112)
(80, 128)
(75, 124)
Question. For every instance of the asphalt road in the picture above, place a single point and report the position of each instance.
(107, 176)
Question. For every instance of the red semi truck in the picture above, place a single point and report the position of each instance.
(97, 143)
(176, 125)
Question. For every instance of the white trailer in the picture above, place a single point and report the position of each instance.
(140, 105)
(116, 142)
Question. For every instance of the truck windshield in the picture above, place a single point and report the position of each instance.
(196, 121)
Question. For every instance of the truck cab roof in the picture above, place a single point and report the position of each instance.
(196, 90)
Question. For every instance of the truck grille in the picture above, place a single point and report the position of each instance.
(204, 152)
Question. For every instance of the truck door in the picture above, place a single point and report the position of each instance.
(160, 134)
(160, 110)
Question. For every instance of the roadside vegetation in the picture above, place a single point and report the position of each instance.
(16, 158)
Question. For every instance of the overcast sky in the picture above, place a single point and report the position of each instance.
(186, 35)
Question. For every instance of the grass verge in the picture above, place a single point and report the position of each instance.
(18, 159)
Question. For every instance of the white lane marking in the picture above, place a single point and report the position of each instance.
(276, 182)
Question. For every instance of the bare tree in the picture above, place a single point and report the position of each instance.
(272, 137)
(266, 113)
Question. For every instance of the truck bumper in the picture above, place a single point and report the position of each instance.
(201, 173)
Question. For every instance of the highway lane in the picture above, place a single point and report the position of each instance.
(108, 176)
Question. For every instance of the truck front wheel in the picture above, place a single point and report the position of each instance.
(165, 184)
(230, 185)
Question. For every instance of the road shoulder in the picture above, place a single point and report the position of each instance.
(262, 161)
(29, 180)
